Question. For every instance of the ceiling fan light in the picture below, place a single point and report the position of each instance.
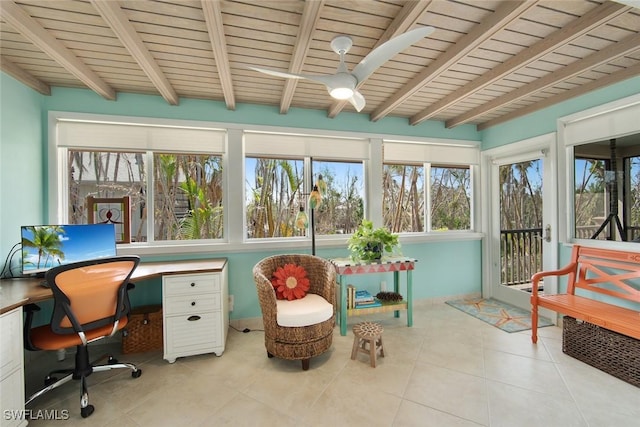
(341, 92)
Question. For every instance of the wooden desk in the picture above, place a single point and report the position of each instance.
(346, 266)
(208, 276)
(18, 292)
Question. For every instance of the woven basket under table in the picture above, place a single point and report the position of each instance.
(611, 352)
(144, 330)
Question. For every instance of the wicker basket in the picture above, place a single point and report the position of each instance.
(611, 352)
(144, 330)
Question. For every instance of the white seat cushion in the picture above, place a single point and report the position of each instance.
(305, 311)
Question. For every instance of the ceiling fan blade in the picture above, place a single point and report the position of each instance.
(329, 80)
(357, 100)
(387, 50)
(277, 73)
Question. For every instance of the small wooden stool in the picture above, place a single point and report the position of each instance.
(368, 339)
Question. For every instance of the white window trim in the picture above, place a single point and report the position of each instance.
(233, 182)
(612, 120)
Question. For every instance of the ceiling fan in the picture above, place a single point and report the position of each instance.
(342, 84)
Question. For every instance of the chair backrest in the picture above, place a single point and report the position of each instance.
(321, 273)
(90, 294)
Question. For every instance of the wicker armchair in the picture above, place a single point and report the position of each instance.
(303, 342)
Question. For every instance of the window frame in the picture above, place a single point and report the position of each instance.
(612, 120)
(368, 149)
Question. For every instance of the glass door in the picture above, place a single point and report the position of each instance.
(523, 223)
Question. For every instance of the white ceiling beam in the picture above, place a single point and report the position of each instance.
(630, 44)
(29, 28)
(618, 76)
(22, 76)
(579, 27)
(408, 16)
(310, 17)
(497, 21)
(117, 20)
(215, 27)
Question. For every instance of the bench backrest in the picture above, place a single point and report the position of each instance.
(613, 273)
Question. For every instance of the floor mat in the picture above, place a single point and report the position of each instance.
(499, 314)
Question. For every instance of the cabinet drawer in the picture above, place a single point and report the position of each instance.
(12, 398)
(183, 334)
(191, 284)
(11, 341)
(191, 304)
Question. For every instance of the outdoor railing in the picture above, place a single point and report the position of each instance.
(521, 252)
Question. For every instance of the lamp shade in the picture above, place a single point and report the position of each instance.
(302, 221)
(315, 199)
(322, 186)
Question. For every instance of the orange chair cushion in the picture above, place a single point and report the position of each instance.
(44, 338)
(290, 282)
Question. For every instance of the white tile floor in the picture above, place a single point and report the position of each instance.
(449, 369)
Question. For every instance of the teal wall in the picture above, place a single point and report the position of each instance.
(545, 121)
(21, 161)
(437, 273)
(443, 269)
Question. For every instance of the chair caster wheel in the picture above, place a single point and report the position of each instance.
(49, 380)
(86, 411)
(136, 374)
(112, 360)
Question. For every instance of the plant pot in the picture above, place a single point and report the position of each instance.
(374, 251)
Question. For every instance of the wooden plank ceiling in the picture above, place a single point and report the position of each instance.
(487, 62)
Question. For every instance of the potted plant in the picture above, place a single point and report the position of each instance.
(369, 244)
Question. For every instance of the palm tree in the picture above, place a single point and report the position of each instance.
(47, 241)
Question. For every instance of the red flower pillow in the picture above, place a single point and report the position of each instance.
(290, 282)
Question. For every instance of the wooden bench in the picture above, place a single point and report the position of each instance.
(592, 274)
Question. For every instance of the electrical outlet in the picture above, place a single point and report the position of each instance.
(383, 286)
(230, 302)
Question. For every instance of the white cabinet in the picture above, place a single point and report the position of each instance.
(195, 311)
(12, 369)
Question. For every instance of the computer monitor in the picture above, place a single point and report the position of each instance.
(47, 246)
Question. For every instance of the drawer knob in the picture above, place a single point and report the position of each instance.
(193, 318)
(192, 284)
(193, 303)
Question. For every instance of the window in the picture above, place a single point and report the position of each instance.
(187, 191)
(187, 196)
(633, 189)
(600, 145)
(403, 198)
(342, 207)
(104, 174)
(445, 203)
(275, 192)
(590, 197)
(174, 195)
(278, 181)
(450, 198)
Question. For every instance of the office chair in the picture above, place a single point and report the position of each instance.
(90, 303)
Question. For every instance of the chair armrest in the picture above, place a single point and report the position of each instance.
(29, 310)
(541, 274)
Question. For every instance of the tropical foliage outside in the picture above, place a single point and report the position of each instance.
(593, 189)
(187, 191)
(520, 221)
(275, 192)
(403, 203)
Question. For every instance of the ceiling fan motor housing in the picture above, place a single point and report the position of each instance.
(341, 44)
